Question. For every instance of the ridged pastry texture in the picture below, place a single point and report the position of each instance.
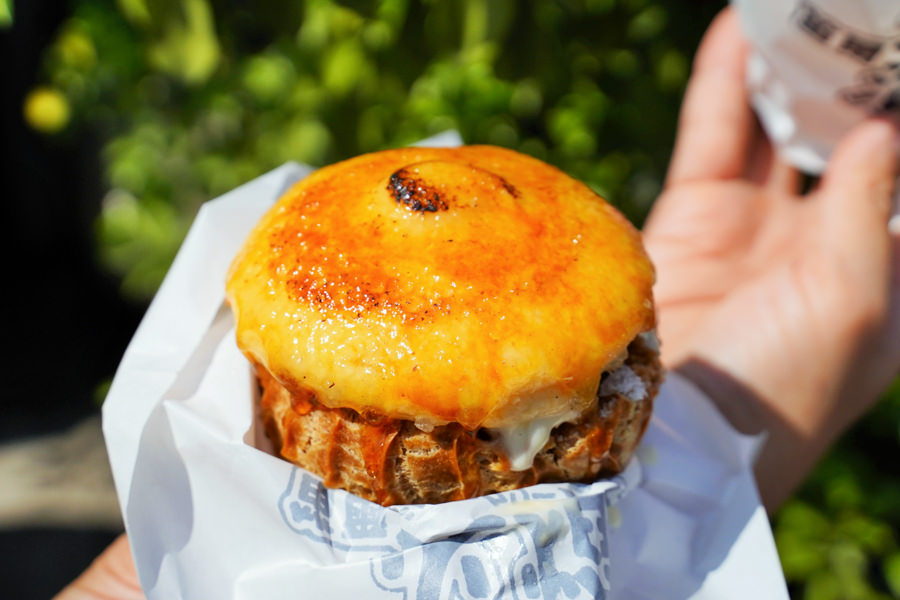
(391, 461)
(473, 286)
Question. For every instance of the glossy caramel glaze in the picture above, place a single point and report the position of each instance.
(472, 285)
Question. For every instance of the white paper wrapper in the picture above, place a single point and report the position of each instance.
(212, 514)
(818, 67)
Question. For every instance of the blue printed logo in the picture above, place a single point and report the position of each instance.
(544, 542)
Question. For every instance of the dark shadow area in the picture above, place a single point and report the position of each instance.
(63, 319)
(65, 555)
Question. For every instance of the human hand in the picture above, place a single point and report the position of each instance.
(783, 308)
(110, 576)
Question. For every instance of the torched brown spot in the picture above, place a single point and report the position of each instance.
(415, 193)
(356, 297)
(510, 188)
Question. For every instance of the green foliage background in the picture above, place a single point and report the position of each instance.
(192, 98)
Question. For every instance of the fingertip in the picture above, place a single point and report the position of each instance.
(885, 131)
(866, 162)
(723, 40)
(877, 137)
(857, 193)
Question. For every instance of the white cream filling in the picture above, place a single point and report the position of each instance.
(522, 442)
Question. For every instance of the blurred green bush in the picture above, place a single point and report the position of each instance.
(837, 536)
(192, 98)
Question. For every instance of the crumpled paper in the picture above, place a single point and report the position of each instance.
(818, 67)
(211, 513)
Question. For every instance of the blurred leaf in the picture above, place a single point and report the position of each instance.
(824, 585)
(76, 49)
(672, 70)
(802, 535)
(475, 23)
(6, 13)
(843, 491)
(848, 562)
(648, 23)
(141, 234)
(868, 534)
(306, 95)
(623, 63)
(101, 390)
(891, 568)
(378, 35)
(315, 29)
(601, 6)
(184, 39)
(343, 21)
(300, 139)
(135, 11)
(344, 67)
(526, 99)
(393, 12)
(268, 76)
